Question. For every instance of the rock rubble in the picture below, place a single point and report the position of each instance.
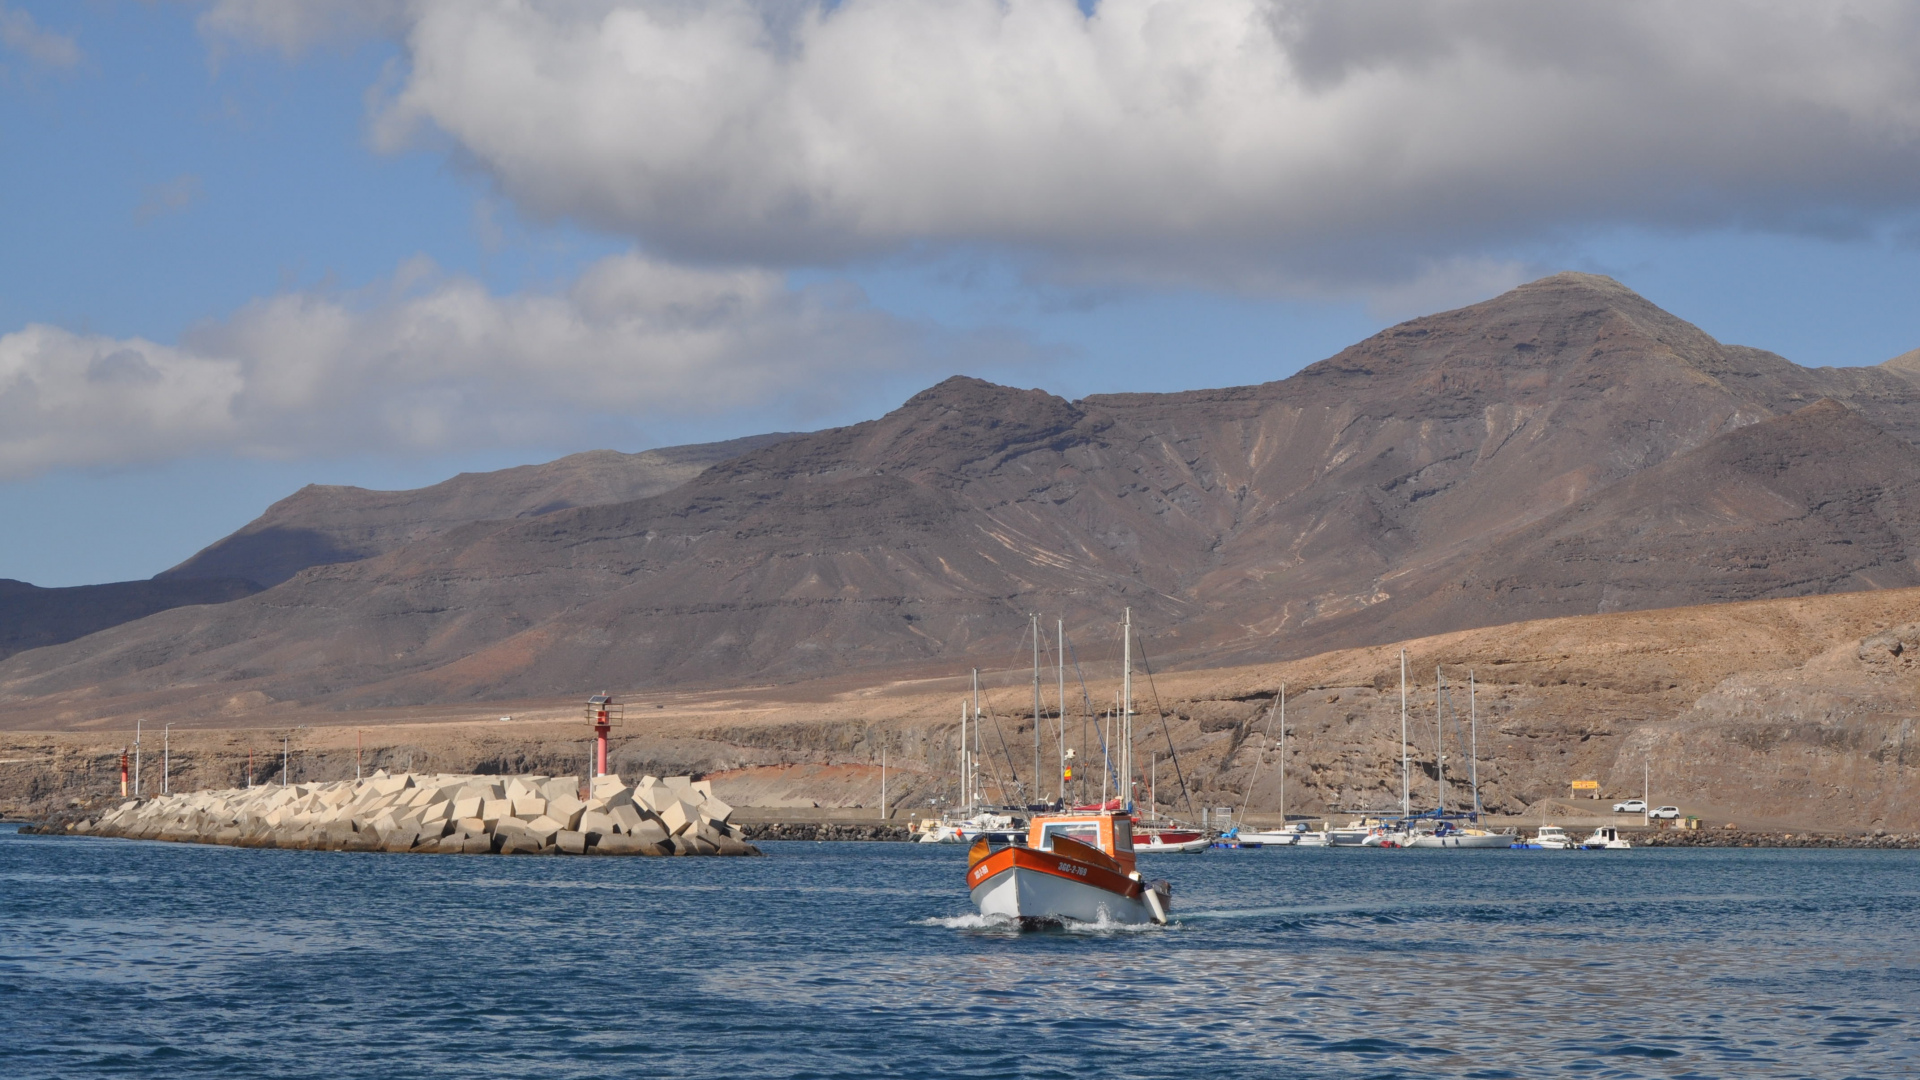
(450, 814)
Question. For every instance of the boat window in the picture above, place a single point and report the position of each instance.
(1087, 832)
(1122, 835)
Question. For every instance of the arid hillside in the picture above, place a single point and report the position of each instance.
(1566, 448)
(1796, 712)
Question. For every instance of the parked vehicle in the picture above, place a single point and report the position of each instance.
(1631, 806)
(1667, 812)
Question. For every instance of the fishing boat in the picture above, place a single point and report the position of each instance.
(1077, 867)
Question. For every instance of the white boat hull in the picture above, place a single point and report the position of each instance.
(1142, 847)
(1268, 839)
(1489, 840)
(1032, 896)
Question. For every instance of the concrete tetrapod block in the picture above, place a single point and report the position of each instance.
(495, 809)
(561, 787)
(566, 811)
(626, 817)
(478, 844)
(543, 829)
(529, 807)
(606, 784)
(596, 822)
(570, 842)
(715, 810)
(649, 832)
(615, 844)
(678, 817)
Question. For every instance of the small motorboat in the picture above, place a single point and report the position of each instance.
(1003, 828)
(1549, 838)
(1360, 832)
(1283, 837)
(1171, 841)
(1605, 838)
(1077, 867)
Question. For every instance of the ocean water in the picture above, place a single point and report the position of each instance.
(122, 958)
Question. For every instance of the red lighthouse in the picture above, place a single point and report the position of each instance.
(602, 711)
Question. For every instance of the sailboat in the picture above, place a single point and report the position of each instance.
(1284, 836)
(971, 822)
(1439, 828)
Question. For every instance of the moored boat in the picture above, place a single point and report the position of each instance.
(1077, 867)
(1171, 841)
(1548, 838)
(1605, 838)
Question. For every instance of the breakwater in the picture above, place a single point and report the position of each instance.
(1733, 838)
(448, 814)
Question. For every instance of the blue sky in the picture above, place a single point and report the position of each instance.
(251, 246)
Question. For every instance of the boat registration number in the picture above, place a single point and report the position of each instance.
(1072, 869)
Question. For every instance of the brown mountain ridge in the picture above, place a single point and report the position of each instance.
(1562, 449)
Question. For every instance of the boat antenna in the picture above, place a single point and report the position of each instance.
(1406, 774)
(1147, 666)
(1473, 745)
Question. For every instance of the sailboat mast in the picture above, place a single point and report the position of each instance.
(1038, 792)
(973, 756)
(1060, 673)
(1406, 775)
(1283, 755)
(1126, 712)
(963, 752)
(1473, 744)
(1440, 736)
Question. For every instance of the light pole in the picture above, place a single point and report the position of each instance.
(136, 757)
(166, 759)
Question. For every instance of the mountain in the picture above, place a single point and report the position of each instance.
(32, 617)
(323, 523)
(1458, 470)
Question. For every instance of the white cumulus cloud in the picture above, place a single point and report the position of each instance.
(1288, 143)
(428, 362)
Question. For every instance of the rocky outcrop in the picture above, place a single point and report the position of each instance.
(448, 814)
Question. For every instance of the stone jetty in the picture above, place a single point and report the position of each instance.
(451, 814)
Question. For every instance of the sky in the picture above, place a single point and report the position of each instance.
(248, 245)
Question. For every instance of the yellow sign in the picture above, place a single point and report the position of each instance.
(1586, 785)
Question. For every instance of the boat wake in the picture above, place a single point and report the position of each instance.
(977, 921)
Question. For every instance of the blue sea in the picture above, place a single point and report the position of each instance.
(126, 958)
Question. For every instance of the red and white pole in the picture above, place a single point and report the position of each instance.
(600, 729)
(123, 773)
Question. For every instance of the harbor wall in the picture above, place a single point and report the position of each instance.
(441, 813)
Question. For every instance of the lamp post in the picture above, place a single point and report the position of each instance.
(166, 759)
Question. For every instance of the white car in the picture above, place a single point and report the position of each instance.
(1668, 812)
(1631, 806)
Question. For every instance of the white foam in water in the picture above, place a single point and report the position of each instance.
(977, 921)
